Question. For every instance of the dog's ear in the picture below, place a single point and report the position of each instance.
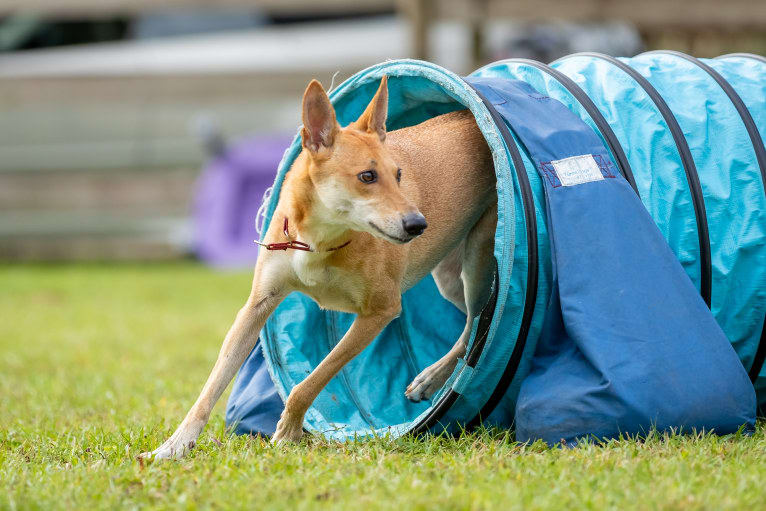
(319, 124)
(373, 120)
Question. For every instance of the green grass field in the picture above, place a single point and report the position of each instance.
(99, 362)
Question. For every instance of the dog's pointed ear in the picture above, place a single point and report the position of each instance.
(373, 120)
(319, 124)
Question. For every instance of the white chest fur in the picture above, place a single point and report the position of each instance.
(310, 269)
(331, 287)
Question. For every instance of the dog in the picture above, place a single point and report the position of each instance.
(367, 215)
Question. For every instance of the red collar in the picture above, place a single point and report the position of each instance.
(295, 245)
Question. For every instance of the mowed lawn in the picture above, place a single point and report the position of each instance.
(99, 362)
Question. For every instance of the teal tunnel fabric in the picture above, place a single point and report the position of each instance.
(615, 356)
(697, 133)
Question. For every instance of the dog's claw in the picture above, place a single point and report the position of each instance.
(287, 431)
(431, 379)
(163, 453)
(181, 442)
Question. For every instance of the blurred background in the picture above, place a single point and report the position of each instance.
(149, 129)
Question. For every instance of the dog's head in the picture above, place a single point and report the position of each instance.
(353, 173)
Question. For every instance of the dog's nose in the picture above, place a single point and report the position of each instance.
(414, 224)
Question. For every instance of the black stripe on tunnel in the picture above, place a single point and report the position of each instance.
(485, 319)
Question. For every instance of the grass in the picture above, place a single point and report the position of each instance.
(98, 363)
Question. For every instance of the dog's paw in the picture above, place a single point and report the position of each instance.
(181, 442)
(431, 379)
(170, 450)
(287, 431)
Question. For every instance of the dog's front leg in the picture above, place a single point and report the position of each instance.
(236, 346)
(363, 330)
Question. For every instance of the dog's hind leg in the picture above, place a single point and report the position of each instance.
(238, 343)
(447, 273)
(476, 270)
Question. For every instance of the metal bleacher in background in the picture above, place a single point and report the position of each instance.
(97, 155)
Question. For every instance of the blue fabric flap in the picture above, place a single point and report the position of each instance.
(254, 406)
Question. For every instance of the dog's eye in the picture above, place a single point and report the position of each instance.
(398, 175)
(368, 176)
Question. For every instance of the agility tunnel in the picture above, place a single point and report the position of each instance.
(679, 137)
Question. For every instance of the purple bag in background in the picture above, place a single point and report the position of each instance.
(227, 197)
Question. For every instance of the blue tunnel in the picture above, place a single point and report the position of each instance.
(684, 134)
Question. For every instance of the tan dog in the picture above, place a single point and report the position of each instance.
(359, 198)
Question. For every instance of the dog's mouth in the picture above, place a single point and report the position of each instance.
(395, 239)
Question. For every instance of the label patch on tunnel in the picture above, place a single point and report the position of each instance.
(577, 170)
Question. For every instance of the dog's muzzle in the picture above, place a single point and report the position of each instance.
(414, 224)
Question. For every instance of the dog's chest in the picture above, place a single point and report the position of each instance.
(331, 287)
